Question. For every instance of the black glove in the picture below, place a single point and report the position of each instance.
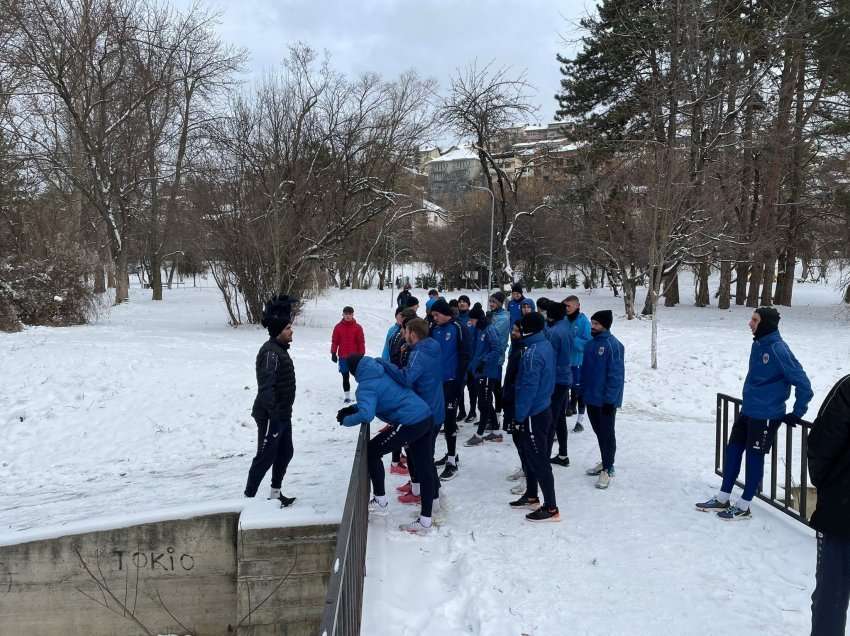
(334, 358)
(791, 420)
(608, 409)
(351, 409)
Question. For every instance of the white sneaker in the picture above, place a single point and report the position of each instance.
(596, 470)
(375, 508)
(516, 475)
(604, 480)
(415, 527)
(519, 488)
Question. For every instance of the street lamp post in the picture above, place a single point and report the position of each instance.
(492, 227)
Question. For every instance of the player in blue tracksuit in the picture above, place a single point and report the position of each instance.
(393, 334)
(560, 336)
(455, 354)
(487, 368)
(532, 415)
(411, 424)
(509, 388)
(516, 302)
(772, 372)
(424, 374)
(580, 329)
(463, 307)
(603, 377)
(501, 321)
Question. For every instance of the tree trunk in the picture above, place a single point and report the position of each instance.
(785, 280)
(723, 292)
(628, 296)
(99, 278)
(156, 275)
(847, 294)
(671, 291)
(756, 274)
(122, 278)
(742, 271)
(702, 294)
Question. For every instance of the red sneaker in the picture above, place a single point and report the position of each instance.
(410, 499)
(405, 489)
(398, 469)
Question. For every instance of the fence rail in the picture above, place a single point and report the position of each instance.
(795, 498)
(344, 601)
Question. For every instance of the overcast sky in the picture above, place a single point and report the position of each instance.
(434, 37)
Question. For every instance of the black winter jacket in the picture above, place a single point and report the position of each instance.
(275, 383)
(829, 461)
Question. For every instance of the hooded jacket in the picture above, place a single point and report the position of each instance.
(275, 383)
(580, 330)
(560, 336)
(378, 395)
(603, 371)
(535, 378)
(515, 308)
(773, 371)
(423, 374)
(487, 352)
(347, 338)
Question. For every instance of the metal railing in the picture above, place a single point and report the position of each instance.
(344, 601)
(793, 500)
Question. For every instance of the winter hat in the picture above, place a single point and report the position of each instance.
(604, 318)
(352, 361)
(769, 321)
(412, 301)
(433, 292)
(348, 310)
(531, 324)
(516, 287)
(463, 298)
(441, 307)
(499, 297)
(543, 303)
(277, 313)
(555, 311)
(477, 312)
(453, 303)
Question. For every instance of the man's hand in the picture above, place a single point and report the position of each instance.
(791, 420)
(334, 358)
(345, 412)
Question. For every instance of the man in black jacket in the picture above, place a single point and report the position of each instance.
(829, 467)
(273, 405)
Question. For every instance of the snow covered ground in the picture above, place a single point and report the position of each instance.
(146, 414)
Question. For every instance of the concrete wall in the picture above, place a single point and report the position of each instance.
(199, 576)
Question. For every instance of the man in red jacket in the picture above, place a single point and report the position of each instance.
(347, 339)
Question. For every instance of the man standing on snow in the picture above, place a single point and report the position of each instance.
(501, 322)
(273, 406)
(378, 395)
(560, 337)
(603, 376)
(347, 339)
(580, 330)
(773, 371)
(487, 369)
(463, 307)
(404, 296)
(532, 415)
(515, 304)
(829, 466)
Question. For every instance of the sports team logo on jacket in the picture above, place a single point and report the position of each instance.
(765, 358)
(448, 335)
(601, 351)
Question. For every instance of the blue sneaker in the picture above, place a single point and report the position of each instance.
(713, 505)
(734, 513)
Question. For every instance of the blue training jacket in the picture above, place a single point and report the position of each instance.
(580, 329)
(501, 322)
(561, 338)
(515, 308)
(378, 395)
(391, 332)
(454, 349)
(535, 378)
(424, 374)
(773, 371)
(603, 371)
(488, 350)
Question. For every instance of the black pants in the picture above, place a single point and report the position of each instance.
(469, 385)
(417, 438)
(274, 449)
(832, 588)
(346, 381)
(603, 426)
(559, 417)
(451, 393)
(487, 415)
(534, 442)
(497, 394)
(576, 401)
(435, 433)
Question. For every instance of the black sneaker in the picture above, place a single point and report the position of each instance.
(578, 428)
(471, 417)
(285, 501)
(449, 472)
(570, 411)
(560, 461)
(443, 461)
(461, 415)
(544, 514)
(526, 502)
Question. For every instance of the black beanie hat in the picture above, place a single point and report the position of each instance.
(531, 324)
(769, 321)
(277, 313)
(555, 311)
(441, 307)
(352, 361)
(499, 297)
(463, 298)
(604, 318)
(516, 287)
(453, 303)
(477, 312)
(412, 301)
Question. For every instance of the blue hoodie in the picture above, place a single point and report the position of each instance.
(515, 308)
(603, 371)
(561, 338)
(423, 373)
(378, 395)
(454, 348)
(488, 350)
(580, 329)
(773, 371)
(536, 377)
